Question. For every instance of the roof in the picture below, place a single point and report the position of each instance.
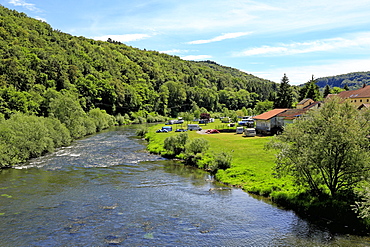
(304, 101)
(292, 113)
(270, 114)
(313, 104)
(366, 106)
(363, 92)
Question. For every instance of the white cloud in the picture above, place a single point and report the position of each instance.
(302, 74)
(40, 18)
(174, 51)
(123, 38)
(196, 57)
(360, 40)
(220, 38)
(29, 6)
(257, 16)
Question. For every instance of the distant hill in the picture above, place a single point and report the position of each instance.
(353, 80)
(36, 59)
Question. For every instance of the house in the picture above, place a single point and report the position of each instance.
(357, 97)
(304, 103)
(289, 115)
(268, 123)
(366, 106)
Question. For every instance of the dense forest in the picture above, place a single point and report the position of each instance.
(352, 80)
(55, 87)
(37, 60)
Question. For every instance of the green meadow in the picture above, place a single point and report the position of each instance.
(252, 165)
(252, 169)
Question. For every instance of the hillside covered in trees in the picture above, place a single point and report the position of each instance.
(55, 87)
(38, 63)
(352, 80)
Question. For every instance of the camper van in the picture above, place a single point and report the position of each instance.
(239, 130)
(250, 132)
(194, 127)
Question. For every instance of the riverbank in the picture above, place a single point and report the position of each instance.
(252, 169)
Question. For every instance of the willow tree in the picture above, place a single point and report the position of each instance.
(326, 151)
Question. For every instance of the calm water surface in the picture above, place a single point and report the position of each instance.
(105, 190)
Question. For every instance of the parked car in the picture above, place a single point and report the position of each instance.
(168, 128)
(250, 132)
(194, 127)
(239, 130)
(181, 130)
(162, 131)
(212, 131)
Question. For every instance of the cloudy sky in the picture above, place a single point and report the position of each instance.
(266, 38)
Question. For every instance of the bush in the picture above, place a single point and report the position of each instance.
(101, 119)
(58, 132)
(194, 150)
(221, 161)
(176, 143)
(120, 119)
(142, 131)
(23, 137)
(197, 145)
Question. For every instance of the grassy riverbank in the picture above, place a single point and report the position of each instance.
(252, 165)
(252, 169)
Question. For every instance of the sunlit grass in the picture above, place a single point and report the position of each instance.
(252, 165)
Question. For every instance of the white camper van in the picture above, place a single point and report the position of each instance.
(250, 132)
(239, 130)
(194, 127)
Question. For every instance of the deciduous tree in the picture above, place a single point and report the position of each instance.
(326, 151)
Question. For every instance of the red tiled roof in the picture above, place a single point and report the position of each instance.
(366, 106)
(304, 101)
(312, 105)
(269, 114)
(363, 92)
(292, 113)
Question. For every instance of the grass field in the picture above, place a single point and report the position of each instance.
(252, 165)
(252, 169)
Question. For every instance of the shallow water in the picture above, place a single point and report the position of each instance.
(107, 190)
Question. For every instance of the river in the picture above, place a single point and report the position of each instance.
(106, 190)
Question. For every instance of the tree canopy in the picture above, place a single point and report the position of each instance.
(310, 90)
(110, 75)
(284, 96)
(326, 151)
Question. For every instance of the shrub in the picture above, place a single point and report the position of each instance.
(197, 145)
(120, 119)
(194, 150)
(220, 161)
(101, 119)
(176, 143)
(58, 132)
(223, 160)
(142, 131)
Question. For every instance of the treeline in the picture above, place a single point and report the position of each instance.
(66, 87)
(24, 136)
(350, 80)
(110, 75)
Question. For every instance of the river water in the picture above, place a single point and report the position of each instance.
(106, 190)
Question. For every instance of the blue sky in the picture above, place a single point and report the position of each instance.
(265, 38)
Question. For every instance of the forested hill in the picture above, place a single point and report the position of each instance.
(38, 62)
(352, 80)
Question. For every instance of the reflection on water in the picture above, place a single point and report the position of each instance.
(106, 190)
